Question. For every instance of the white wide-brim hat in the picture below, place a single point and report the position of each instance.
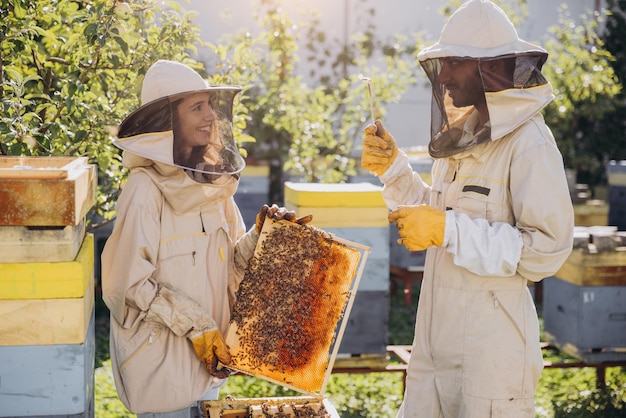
(478, 29)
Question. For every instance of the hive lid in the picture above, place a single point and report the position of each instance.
(39, 167)
(293, 304)
(334, 194)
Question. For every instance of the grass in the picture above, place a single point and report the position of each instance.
(562, 393)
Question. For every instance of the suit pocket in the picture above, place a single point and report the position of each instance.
(513, 408)
(495, 349)
(146, 335)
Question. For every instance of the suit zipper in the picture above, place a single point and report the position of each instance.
(499, 306)
(148, 341)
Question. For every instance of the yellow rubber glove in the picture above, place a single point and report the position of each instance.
(210, 347)
(419, 227)
(379, 149)
(278, 213)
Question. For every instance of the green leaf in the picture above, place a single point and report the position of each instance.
(91, 30)
(123, 45)
(20, 10)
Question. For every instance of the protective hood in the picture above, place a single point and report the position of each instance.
(185, 123)
(486, 81)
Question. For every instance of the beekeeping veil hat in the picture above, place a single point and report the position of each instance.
(514, 89)
(185, 122)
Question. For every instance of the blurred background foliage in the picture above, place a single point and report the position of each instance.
(70, 70)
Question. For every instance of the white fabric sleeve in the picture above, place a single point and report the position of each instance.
(181, 314)
(244, 249)
(483, 249)
(403, 186)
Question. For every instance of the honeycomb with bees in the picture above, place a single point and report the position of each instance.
(292, 304)
(284, 407)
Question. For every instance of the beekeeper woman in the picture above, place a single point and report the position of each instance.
(497, 215)
(179, 246)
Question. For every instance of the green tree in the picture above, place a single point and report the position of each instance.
(611, 128)
(614, 37)
(71, 69)
(587, 90)
(307, 126)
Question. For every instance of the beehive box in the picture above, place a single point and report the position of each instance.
(46, 191)
(292, 305)
(49, 280)
(590, 213)
(46, 321)
(603, 268)
(23, 244)
(357, 212)
(338, 204)
(49, 380)
(584, 306)
(296, 406)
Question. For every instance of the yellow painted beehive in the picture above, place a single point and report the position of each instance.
(338, 204)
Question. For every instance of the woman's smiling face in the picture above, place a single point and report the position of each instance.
(197, 120)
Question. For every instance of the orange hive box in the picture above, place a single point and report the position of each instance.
(46, 191)
(292, 305)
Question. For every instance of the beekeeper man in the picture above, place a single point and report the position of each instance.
(497, 215)
(179, 247)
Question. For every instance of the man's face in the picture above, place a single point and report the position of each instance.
(462, 81)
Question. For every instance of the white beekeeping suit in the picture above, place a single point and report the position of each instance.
(497, 215)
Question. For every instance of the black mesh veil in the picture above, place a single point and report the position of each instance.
(453, 121)
(191, 130)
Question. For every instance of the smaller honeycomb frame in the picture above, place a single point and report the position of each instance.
(296, 406)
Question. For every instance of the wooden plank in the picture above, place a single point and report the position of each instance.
(370, 361)
(26, 167)
(46, 321)
(49, 280)
(48, 380)
(403, 352)
(49, 201)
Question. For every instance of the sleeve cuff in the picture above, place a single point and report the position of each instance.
(450, 229)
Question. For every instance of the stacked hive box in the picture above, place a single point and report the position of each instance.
(47, 334)
(356, 212)
(591, 212)
(584, 306)
(617, 194)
